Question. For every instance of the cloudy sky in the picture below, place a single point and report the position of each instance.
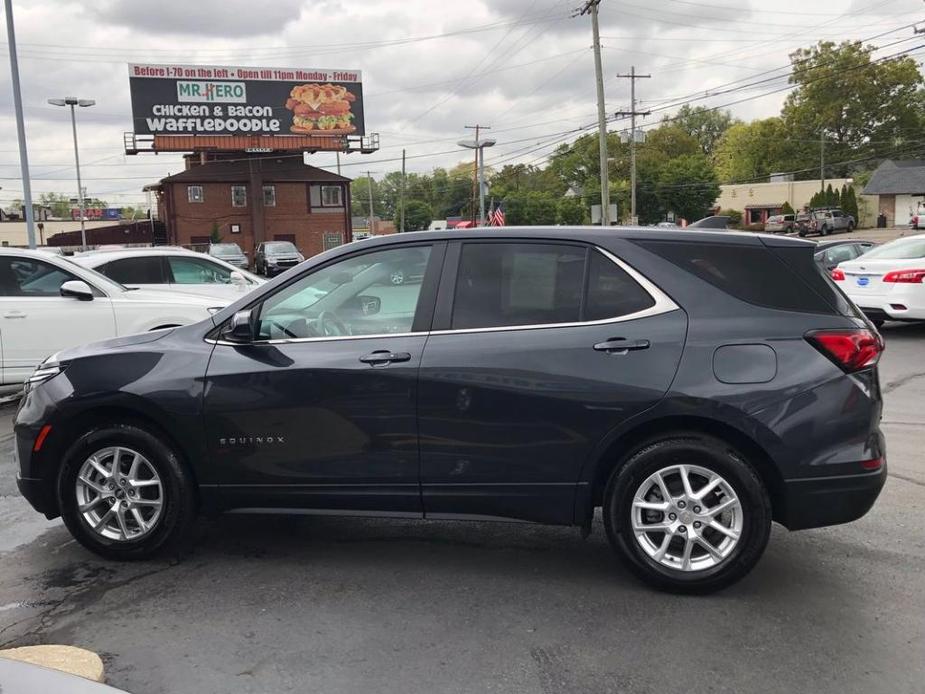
(524, 67)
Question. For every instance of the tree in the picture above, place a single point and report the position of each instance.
(418, 216)
(570, 210)
(688, 187)
(865, 108)
(216, 235)
(849, 202)
(703, 124)
(786, 208)
(830, 199)
(524, 209)
(59, 204)
(753, 151)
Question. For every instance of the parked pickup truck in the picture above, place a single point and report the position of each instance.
(827, 221)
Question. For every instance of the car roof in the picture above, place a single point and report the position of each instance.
(593, 234)
(99, 257)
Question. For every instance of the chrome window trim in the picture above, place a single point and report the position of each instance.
(663, 304)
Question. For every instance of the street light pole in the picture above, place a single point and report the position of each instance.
(479, 144)
(73, 101)
(20, 125)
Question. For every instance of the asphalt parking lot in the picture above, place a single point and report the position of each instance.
(347, 605)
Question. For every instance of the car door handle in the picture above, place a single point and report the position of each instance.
(14, 314)
(384, 356)
(620, 345)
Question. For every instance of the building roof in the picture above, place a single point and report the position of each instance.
(897, 177)
(234, 170)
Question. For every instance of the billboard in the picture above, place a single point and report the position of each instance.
(222, 100)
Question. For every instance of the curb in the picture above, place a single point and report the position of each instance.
(75, 661)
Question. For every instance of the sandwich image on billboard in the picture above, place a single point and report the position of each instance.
(225, 100)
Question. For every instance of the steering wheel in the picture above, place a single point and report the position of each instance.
(331, 326)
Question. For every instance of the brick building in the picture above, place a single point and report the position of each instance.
(254, 199)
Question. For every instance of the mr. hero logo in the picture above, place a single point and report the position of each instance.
(212, 92)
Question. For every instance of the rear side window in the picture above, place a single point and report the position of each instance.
(136, 270)
(753, 273)
(612, 292)
(512, 284)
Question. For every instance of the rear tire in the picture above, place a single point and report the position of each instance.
(746, 514)
(161, 490)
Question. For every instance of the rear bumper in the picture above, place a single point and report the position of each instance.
(40, 494)
(820, 501)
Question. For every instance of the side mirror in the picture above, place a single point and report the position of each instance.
(241, 328)
(370, 305)
(77, 289)
(237, 278)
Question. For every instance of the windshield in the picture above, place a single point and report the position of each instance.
(98, 278)
(280, 247)
(225, 249)
(900, 249)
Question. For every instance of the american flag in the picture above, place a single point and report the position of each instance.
(496, 216)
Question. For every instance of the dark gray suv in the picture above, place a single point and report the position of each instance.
(693, 385)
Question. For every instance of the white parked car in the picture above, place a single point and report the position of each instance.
(49, 303)
(887, 282)
(172, 269)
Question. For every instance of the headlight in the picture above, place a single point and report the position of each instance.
(271, 261)
(214, 309)
(44, 372)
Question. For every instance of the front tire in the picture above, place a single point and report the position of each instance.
(125, 494)
(687, 513)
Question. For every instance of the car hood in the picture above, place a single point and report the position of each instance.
(112, 343)
(162, 297)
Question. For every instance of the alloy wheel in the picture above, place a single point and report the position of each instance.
(687, 518)
(119, 494)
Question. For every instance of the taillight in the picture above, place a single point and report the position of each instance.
(905, 276)
(852, 350)
(838, 275)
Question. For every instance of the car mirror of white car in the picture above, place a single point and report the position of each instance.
(77, 289)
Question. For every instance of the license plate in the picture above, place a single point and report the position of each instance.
(863, 281)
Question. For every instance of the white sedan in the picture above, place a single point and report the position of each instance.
(887, 282)
(49, 303)
(174, 270)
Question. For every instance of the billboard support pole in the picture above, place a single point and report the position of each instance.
(20, 125)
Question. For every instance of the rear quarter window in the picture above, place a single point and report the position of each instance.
(754, 274)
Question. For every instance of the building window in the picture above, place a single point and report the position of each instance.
(239, 196)
(269, 196)
(194, 193)
(332, 196)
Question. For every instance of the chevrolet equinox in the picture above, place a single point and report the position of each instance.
(696, 386)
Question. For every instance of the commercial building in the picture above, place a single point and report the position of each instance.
(898, 187)
(758, 201)
(253, 198)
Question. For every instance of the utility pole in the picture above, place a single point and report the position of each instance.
(20, 125)
(632, 113)
(478, 144)
(590, 7)
(822, 160)
(369, 178)
(401, 226)
(338, 163)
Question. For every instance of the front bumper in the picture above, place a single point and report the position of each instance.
(820, 501)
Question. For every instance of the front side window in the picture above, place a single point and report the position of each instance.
(239, 196)
(269, 196)
(195, 271)
(194, 194)
(331, 196)
(513, 284)
(27, 277)
(136, 270)
(370, 294)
